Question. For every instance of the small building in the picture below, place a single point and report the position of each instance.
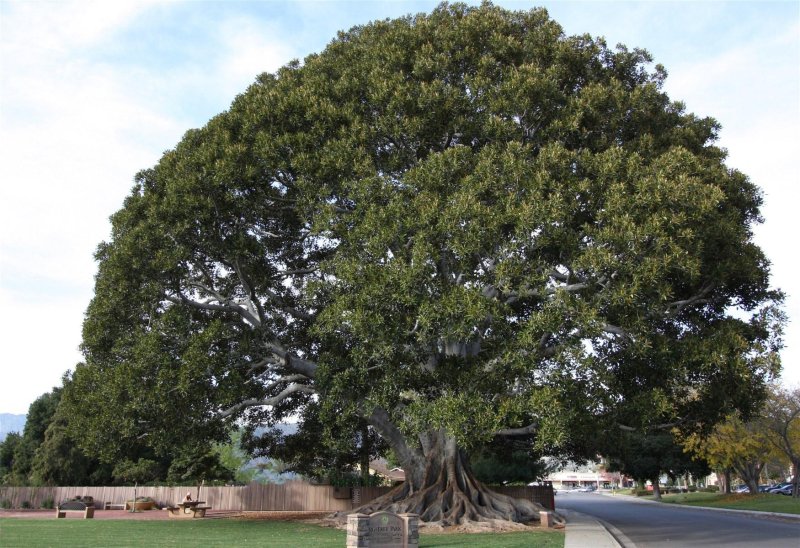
(392, 475)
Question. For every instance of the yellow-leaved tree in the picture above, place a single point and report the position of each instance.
(781, 420)
(735, 445)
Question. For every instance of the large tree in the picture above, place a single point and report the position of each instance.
(743, 447)
(452, 226)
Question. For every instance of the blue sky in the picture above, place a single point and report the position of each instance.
(92, 92)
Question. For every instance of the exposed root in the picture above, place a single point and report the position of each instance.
(474, 508)
(446, 494)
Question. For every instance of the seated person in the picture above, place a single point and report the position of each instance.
(187, 498)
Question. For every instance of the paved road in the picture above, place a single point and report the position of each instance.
(649, 525)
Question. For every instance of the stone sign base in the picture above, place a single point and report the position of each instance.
(383, 529)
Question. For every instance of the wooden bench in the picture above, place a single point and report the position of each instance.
(87, 509)
(114, 506)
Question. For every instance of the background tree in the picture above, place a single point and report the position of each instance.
(198, 465)
(649, 456)
(453, 226)
(40, 415)
(7, 449)
(737, 445)
(505, 461)
(781, 418)
(319, 451)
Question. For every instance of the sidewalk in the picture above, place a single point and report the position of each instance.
(583, 531)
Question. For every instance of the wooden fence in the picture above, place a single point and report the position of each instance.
(292, 496)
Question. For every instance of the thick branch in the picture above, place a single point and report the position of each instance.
(255, 402)
(253, 305)
(224, 305)
(662, 426)
(300, 365)
(380, 420)
(675, 308)
(523, 431)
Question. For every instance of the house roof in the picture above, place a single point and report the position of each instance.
(381, 467)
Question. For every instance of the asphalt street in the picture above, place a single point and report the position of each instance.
(651, 525)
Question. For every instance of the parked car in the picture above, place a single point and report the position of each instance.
(776, 488)
(764, 488)
(742, 489)
(785, 490)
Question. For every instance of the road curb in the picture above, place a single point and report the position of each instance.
(755, 513)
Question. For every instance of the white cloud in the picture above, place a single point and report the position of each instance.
(74, 131)
(248, 49)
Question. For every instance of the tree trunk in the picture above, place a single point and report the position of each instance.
(443, 490)
(750, 471)
(728, 481)
(656, 489)
(364, 456)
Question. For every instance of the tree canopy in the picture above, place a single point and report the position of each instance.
(454, 226)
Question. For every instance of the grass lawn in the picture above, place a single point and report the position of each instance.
(225, 532)
(764, 502)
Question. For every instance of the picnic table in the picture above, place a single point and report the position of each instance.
(188, 509)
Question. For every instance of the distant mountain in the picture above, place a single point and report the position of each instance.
(11, 423)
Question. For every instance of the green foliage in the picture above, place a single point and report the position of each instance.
(462, 222)
(742, 446)
(505, 461)
(26, 505)
(7, 449)
(232, 456)
(142, 471)
(781, 420)
(58, 461)
(48, 504)
(198, 464)
(40, 415)
(317, 450)
(5, 504)
(353, 479)
(646, 456)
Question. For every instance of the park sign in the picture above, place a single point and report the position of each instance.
(384, 529)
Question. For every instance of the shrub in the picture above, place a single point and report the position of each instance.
(48, 504)
(692, 488)
(26, 504)
(642, 492)
(5, 504)
(143, 499)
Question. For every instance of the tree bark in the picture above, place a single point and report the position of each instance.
(364, 456)
(656, 489)
(750, 472)
(443, 490)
